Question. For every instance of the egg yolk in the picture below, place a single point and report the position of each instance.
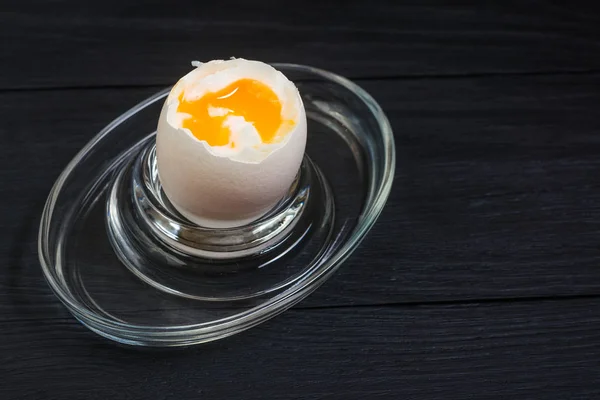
(247, 98)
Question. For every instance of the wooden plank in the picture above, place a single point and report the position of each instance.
(61, 43)
(524, 350)
(496, 192)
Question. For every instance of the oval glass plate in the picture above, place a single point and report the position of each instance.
(351, 149)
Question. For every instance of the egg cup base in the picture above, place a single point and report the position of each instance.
(178, 257)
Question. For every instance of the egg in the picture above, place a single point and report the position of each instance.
(230, 141)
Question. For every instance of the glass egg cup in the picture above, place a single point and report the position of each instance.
(132, 269)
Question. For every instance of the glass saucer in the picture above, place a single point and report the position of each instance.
(131, 269)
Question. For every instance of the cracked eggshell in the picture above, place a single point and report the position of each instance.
(220, 191)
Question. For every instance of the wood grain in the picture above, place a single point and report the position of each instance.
(496, 192)
(525, 350)
(480, 279)
(65, 43)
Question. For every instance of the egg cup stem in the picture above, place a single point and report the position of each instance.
(169, 252)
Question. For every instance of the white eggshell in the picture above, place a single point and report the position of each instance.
(220, 187)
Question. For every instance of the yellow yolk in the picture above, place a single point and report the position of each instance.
(247, 98)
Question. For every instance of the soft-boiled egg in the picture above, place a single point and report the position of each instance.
(230, 141)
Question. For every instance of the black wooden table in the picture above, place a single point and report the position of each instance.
(482, 277)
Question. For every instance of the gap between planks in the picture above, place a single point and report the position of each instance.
(403, 77)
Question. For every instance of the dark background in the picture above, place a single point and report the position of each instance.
(481, 279)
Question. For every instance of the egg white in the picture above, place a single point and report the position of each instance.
(221, 186)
